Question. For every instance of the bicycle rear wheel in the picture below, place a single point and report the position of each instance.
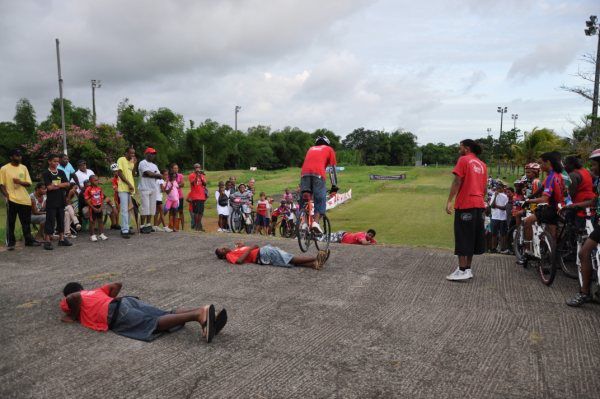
(303, 232)
(546, 266)
(235, 221)
(249, 227)
(517, 244)
(566, 255)
(322, 240)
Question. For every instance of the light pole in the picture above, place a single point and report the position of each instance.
(502, 111)
(96, 84)
(593, 29)
(488, 130)
(237, 109)
(514, 118)
(60, 91)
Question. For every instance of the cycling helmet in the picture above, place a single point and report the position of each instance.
(533, 165)
(323, 139)
(595, 154)
(114, 167)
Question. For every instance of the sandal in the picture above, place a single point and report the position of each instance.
(209, 326)
(220, 321)
(321, 259)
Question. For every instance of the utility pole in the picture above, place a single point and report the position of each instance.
(203, 154)
(237, 109)
(514, 118)
(96, 84)
(60, 91)
(594, 29)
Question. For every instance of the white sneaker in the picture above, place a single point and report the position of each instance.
(220, 230)
(469, 273)
(459, 275)
(167, 230)
(157, 228)
(316, 226)
(103, 237)
(93, 238)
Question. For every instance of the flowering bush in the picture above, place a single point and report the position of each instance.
(99, 147)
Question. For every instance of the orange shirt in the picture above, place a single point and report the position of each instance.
(235, 254)
(93, 311)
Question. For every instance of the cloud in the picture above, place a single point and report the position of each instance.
(550, 57)
(473, 80)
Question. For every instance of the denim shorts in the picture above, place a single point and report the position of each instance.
(315, 185)
(269, 255)
(136, 319)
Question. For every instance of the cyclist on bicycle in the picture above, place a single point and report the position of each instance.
(313, 177)
(531, 180)
(581, 189)
(591, 243)
(553, 195)
(242, 195)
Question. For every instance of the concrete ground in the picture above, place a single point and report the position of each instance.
(376, 322)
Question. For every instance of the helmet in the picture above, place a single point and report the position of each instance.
(114, 167)
(324, 139)
(533, 165)
(595, 154)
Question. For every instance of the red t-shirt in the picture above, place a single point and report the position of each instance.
(317, 159)
(198, 183)
(93, 311)
(94, 195)
(235, 254)
(473, 173)
(261, 208)
(356, 238)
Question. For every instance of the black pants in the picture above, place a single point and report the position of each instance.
(24, 212)
(55, 216)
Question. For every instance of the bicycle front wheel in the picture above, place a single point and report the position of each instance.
(566, 255)
(322, 240)
(303, 232)
(235, 221)
(547, 264)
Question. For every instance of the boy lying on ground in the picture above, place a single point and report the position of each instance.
(269, 255)
(101, 309)
(359, 238)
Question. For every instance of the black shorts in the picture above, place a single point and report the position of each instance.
(469, 232)
(198, 207)
(94, 215)
(499, 227)
(180, 209)
(546, 214)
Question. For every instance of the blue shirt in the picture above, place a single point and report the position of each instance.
(69, 170)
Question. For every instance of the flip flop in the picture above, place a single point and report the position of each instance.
(220, 321)
(321, 259)
(210, 324)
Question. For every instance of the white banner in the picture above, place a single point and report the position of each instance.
(338, 199)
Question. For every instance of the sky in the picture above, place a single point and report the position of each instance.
(437, 68)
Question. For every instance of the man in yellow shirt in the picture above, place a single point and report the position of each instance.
(125, 187)
(14, 178)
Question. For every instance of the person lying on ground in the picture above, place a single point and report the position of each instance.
(269, 255)
(101, 309)
(358, 238)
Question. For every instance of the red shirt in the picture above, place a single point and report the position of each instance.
(356, 238)
(553, 188)
(235, 254)
(261, 208)
(198, 183)
(473, 173)
(317, 158)
(94, 195)
(585, 189)
(93, 311)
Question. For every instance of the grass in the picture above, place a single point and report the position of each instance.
(406, 212)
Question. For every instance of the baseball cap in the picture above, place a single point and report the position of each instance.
(197, 165)
(150, 150)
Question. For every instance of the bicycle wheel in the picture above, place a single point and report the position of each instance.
(290, 230)
(566, 254)
(249, 227)
(235, 221)
(303, 232)
(322, 240)
(546, 266)
(518, 244)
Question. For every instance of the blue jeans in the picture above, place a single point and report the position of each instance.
(124, 202)
(315, 185)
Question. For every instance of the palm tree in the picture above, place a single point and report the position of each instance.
(536, 143)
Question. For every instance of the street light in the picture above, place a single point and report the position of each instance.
(96, 84)
(237, 109)
(593, 29)
(489, 130)
(514, 118)
(502, 111)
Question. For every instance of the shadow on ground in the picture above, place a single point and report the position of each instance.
(376, 322)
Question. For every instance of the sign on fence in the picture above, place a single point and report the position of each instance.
(394, 177)
(338, 199)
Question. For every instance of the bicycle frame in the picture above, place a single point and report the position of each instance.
(589, 228)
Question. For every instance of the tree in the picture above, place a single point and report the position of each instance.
(536, 143)
(78, 116)
(403, 146)
(25, 119)
(10, 137)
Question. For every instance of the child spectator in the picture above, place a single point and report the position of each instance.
(198, 194)
(280, 211)
(222, 207)
(181, 182)
(70, 217)
(263, 214)
(172, 202)
(159, 216)
(94, 197)
(56, 184)
(499, 227)
(38, 207)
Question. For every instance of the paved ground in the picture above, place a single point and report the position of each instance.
(377, 322)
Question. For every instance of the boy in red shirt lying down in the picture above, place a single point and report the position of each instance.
(269, 255)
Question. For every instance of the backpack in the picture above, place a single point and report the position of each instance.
(223, 200)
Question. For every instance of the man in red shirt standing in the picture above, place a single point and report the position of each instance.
(468, 187)
(101, 309)
(313, 177)
(197, 195)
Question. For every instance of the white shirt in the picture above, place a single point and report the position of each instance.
(83, 176)
(147, 183)
(501, 200)
(159, 193)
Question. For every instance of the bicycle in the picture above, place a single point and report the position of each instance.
(287, 227)
(241, 217)
(567, 250)
(584, 234)
(305, 233)
(543, 246)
